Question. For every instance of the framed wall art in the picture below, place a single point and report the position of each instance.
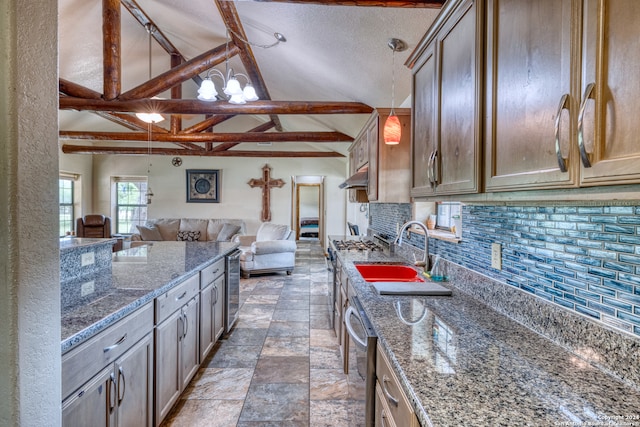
(203, 186)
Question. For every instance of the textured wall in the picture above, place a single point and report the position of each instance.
(30, 389)
(583, 258)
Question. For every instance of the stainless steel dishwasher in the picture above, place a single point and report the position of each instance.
(232, 296)
(364, 340)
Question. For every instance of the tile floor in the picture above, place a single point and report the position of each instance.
(280, 366)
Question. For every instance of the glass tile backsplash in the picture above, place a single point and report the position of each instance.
(583, 258)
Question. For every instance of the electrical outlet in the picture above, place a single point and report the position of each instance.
(88, 258)
(496, 256)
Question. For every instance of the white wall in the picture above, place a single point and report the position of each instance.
(238, 200)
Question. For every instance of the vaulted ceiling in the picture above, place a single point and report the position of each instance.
(316, 89)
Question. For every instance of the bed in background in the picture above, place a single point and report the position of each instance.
(309, 227)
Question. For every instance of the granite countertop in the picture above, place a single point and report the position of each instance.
(138, 275)
(77, 242)
(462, 363)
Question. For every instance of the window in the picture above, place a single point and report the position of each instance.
(66, 217)
(446, 212)
(131, 204)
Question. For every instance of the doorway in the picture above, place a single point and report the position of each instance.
(308, 207)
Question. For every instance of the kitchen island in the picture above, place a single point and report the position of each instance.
(138, 327)
(460, 362)
(93, 302)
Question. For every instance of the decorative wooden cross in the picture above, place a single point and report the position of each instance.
(266, 183)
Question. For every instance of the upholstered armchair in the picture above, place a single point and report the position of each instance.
(272, 249)
(96, 226)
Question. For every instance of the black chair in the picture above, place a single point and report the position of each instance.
(353, 229)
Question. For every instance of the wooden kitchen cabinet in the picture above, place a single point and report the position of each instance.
(176, 339)
(392, 404)
(560, 103)
(528, 85)
(610, 93)
(211, 315)
(119, 363)
(447, 82)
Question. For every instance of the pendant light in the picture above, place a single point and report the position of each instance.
(149, 193)
(151, 117)
(392, 131)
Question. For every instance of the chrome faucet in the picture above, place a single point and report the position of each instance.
(425, 261)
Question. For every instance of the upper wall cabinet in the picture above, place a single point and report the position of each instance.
(561, 105)
(447, 83)
(608, 128)
(528, 87)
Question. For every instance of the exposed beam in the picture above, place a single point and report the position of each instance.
(127, 120)
(207, 123)
(376, 3)
(210, 136)
(232, 21)
(162, 40)
(227, 145)
(112, 66)
(194, 106)
(176, 93)
(79, 149)
(180, 73)
(78, 91)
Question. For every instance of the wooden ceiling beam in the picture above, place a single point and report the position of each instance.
(127, 120)
(80, 149)
(227, 145)
(112, 64)
(233, 24)
(194, 106)
(157, 34)
(207, 123)
(436, 4)
(180, 73)
(210, 136)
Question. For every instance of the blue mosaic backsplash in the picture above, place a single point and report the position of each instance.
(583, 258)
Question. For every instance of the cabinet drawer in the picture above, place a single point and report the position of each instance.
(397, 402)
(211, 273)
(175, 298)
(383, 417)
(82, 363)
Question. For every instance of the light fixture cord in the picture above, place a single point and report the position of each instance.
(149, 149)
(262, 46)
(393, 81)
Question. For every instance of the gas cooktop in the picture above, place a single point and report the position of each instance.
(356, 245)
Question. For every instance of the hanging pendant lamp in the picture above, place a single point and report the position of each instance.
(150, 117)
(392, 131)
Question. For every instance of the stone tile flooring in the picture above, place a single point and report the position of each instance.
(280, 366)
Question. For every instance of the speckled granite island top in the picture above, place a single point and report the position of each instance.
(463, 364)
(90, 304)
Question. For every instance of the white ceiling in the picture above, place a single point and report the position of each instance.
(332, 53)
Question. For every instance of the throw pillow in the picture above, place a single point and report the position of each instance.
(188, 236)
(227, 232)
(149, 233)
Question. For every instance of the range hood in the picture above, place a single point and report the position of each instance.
(359, 179)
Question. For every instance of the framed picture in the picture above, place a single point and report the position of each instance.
(203, 186)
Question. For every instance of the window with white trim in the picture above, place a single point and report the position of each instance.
(66, 184)
(130, 204)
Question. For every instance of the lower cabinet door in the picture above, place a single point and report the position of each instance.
(207, 328)
(190, 355)
(167, 369)
(134, 372)
(94, 404)
(218, 315)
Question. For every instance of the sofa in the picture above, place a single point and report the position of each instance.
(271, 249)
(190, 229)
